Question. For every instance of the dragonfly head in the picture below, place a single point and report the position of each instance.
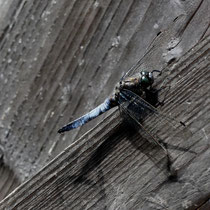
(147, 79)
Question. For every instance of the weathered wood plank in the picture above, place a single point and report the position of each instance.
(52, 50)
(111, 168)
(59, 59)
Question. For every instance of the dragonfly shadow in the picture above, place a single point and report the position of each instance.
(91, 173)
(146, 146)
(149, 143)
(100, 154)
(130, 131)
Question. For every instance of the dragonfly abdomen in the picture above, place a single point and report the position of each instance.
(105, 106)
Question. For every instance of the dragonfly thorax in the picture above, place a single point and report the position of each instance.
(142, 80)
(138, 83)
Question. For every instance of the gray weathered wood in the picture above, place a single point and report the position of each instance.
(109, 168)
(59, 59)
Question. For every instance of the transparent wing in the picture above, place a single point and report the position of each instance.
(153, 57)
(154, 123)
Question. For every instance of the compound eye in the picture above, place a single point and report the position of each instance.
(150, 75)
(145, 81)
(143, 73)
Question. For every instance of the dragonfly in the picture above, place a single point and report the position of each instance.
(135, 83)
(131, 89)
(130, 94)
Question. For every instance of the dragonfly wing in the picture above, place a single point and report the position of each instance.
(148, 117)
(88, 117)
(129, 110)
(154, 54)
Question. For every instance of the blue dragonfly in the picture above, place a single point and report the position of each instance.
(135, 84)
(130, 95)
(128, 89)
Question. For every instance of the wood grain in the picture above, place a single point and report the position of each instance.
(60, 59)
(111, 168)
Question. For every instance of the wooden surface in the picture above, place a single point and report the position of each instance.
(61, 59)
(110, 168)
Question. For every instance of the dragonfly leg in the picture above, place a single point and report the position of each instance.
(152, 96)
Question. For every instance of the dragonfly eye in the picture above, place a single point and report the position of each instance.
(151, 78)
(146, 79)
(143, 73)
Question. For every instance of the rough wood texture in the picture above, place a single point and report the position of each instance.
(58, 60)
(109, 168)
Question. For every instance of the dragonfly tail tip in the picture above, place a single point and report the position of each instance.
(61, 130)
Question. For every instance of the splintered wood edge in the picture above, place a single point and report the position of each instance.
(20, 197)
